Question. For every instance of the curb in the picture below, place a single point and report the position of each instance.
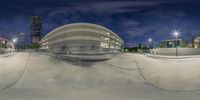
(171, 57)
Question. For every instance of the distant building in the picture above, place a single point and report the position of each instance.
(6, 45)
(21, 40)
(189, 45)
(171, 43)
(196, 42)
(35, 29)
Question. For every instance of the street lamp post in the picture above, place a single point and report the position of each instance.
(176, 47)
(176, 33)
(150, 44)
(150, 40)
(14, 42)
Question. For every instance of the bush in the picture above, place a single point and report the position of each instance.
(34, 46)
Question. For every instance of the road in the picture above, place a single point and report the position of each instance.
(38, 76)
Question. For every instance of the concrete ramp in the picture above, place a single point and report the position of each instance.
(12, 69)
(171, 74)
(121, 78)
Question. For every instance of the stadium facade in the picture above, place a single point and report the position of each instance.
(82, 38)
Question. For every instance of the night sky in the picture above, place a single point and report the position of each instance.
(133, 21)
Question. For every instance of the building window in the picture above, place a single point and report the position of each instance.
(112, 46)
(104, 45)
(105, 38)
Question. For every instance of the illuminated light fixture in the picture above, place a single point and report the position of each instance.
(14, 40)
(150, 40)
(176, 33)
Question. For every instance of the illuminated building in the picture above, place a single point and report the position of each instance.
(82, 38)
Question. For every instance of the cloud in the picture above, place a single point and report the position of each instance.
(116, 7)
(128, 23)
(108, 7)
(145, 19)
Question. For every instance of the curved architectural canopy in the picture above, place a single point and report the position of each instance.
(82, 38)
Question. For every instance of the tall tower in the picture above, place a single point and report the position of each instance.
(35, 29)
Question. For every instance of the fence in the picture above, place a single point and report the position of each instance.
(172, 51)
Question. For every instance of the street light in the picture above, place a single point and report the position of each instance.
(150, 46)
(150, 40)
(14, 42)
(176, 34)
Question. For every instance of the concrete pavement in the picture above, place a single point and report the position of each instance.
(171, 74)
(37, 76)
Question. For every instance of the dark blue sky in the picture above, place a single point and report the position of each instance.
(134, 21)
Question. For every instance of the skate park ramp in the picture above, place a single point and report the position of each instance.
(38, 76)
(12, 69)
(49, 78)
(167, 74)
(171, 74)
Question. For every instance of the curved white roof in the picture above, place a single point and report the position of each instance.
(80, 24)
